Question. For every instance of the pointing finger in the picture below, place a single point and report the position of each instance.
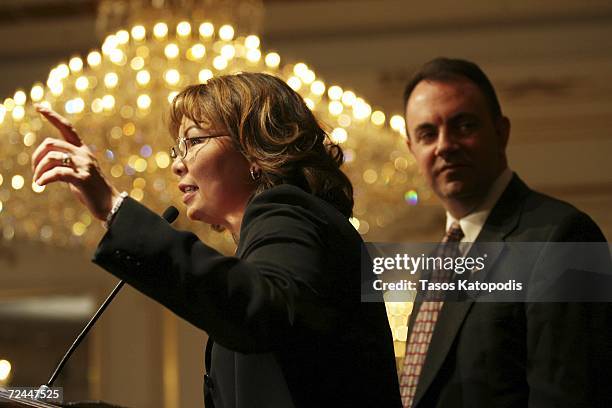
(60, 123)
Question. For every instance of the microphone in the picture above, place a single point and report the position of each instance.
(170, 214)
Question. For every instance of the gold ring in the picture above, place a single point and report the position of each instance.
(66, 160)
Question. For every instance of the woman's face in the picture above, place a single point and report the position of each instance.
(213, 177)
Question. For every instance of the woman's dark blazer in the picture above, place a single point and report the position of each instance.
(285, 314)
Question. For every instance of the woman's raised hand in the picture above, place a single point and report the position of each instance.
(71, 161)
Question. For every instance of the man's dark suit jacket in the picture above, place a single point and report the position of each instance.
(285, 315)
(521, 354)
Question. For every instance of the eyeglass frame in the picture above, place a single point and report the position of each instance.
(175, 150)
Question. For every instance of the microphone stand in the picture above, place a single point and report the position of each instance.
(169, 215)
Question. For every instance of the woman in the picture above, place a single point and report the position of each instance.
(284, 313)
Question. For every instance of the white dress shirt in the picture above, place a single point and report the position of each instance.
(472, 223)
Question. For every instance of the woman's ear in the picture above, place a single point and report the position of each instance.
(255, 171)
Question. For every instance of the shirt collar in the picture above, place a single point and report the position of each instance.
(472, 223)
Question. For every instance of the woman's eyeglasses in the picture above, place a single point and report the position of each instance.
(184, 143)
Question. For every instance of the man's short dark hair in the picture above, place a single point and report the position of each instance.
(447, 69)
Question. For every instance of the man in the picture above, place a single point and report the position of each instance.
(477, 354)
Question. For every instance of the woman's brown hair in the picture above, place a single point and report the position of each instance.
(272, 127)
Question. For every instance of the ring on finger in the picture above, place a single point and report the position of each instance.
(66, 160)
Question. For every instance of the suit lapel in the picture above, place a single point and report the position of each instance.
(501, 222)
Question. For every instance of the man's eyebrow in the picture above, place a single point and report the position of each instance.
(424, 126)
(462, 115)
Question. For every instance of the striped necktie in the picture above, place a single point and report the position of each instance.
(425, 321)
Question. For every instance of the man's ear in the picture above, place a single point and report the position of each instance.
(408, 143)
(502, 127)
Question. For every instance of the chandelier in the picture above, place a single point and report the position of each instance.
(117, 97)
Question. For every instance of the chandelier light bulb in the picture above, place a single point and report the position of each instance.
(160, 30)
(348, 98)
(317, 88)
(122, 36)
(137, 63)
(253, 55)
(138, 32)
(397, 123)
(56, 88)
(143, 77)
(198, 51)
(37, 92)
(75, 64)
(272, 60)
(300, 68)
(171, 51)
(171, 96)
(117, 57)
(206, 30)
(172, 76)
(183, 29)
(335, 108)
(108, 102)
(18, 113)
(62, 71)
(81, 84)
(378, 118)
(20, 97)
(111, 80)
(308, 77)
(94, 59)
(204, 75)
(219, 63)
(226, 32)
(294, 83)
(334, 92)
(143, 101)
(339, 135)
(17, 182)
(110, 43)
(252, 41)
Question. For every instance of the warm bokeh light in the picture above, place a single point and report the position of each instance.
(204, 75)
(206, 29)
(75, 64)
(17, 182)
(334, 92)
(5, 366)
(171, 51)
(20, 98)
(111, 80)
(138, 32)
(143, 101)
(172, 76)
(226, 32)
(272, 60)
(82, 83)
(183, 29)
(378, 118)
(160, 30)
(37, 92)
(94, 58)
(143, 77)
(252, 41)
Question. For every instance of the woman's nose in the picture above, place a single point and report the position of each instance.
(178, 167)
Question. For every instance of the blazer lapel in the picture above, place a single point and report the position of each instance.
(501, 222)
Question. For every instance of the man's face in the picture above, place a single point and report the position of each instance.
(458, 146)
